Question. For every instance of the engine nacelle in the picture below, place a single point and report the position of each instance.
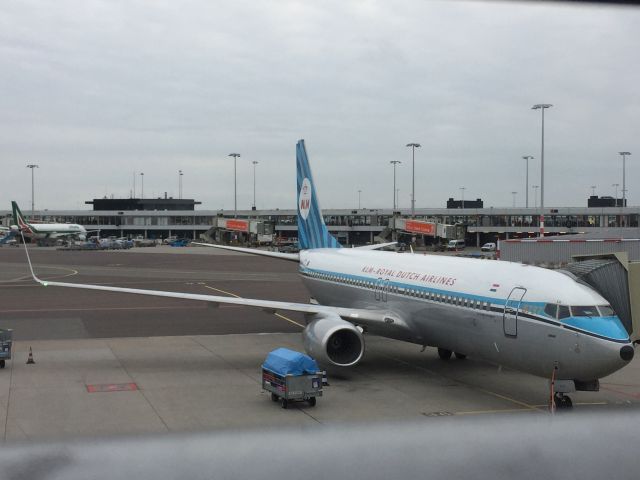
(329, 339)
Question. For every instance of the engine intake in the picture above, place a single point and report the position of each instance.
(329, 339)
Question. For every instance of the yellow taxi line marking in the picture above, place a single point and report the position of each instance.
(238, 296)
(222, 291)
(288, 320)
(503, 410)
(512, 400)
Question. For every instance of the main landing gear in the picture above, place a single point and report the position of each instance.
(562, 401)
(445, 354)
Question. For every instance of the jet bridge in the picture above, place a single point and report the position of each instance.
(617, 280)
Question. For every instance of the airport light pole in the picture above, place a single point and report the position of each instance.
(527, 158)
(32, 166)
(180, 184)
(624, 185)
(235, 184)
(462, 189)
(254, 183)
(413, 176)
(142, 185)
(514, 198)
(359, 192)
(535, 195)
(542, 106)
(593, 190)
(616, 197)
(394, 163)
(398, 199)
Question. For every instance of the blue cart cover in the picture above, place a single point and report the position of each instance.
(288, 362)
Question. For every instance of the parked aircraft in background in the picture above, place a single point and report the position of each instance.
(42, 231)
(531, 319)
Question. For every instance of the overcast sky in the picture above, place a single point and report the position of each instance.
(93, 91)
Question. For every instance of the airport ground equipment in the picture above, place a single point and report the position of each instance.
(6, 342)
(291, 376)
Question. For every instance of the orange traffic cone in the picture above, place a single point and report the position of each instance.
(30, 360)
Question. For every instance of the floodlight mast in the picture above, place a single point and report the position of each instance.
(413, 177)
(235, 184)
(32, 166)
(394, 163)
(624, 184)
(542, 106)
(527, 158)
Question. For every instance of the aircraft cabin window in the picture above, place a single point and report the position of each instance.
(551, 309)
(563, 311)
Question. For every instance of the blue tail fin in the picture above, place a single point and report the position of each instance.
(312, 232)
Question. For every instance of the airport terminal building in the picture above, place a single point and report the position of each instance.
(166, 217)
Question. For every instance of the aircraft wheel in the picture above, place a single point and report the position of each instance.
(562, 401)
(444, 354)
(312, 401)
(285, 403)
(460, 356)
(274, 397)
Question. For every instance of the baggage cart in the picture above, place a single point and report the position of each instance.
(291, 376)
(6, 342)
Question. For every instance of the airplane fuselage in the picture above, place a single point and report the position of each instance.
(490, 309)
(51, 230)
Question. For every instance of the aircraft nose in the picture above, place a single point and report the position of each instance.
(626, 353)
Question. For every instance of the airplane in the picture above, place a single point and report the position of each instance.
(45, 231)
(527, 318)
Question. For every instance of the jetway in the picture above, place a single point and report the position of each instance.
(617, 280)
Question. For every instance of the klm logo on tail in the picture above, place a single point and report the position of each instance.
(312, 232)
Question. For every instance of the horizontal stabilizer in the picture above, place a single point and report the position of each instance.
(377, 246)
(293, 257)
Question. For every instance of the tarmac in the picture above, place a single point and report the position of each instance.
(112, 364)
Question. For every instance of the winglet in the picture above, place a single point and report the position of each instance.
(26, 250)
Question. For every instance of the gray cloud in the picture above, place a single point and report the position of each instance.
(95, 90)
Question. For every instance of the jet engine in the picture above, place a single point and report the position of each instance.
(329, 339)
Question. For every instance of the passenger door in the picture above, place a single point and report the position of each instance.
(511, 311)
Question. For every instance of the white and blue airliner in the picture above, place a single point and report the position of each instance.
(527, 318)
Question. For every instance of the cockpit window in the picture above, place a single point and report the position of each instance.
(584, 311)
(551, 309)
(563, 311)
(606, 311)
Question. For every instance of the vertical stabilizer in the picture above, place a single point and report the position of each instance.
(312, 232)
(18, 218)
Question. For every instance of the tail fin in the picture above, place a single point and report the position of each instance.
(312, 232)
(18, 218)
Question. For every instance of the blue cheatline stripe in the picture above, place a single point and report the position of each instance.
(609, 329)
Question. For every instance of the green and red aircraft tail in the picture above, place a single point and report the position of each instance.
(19, 219)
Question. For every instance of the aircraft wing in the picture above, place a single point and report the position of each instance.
(360, 316)
(353, 315)
(294, 257)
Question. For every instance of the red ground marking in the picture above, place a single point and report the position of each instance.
(112, 387)
(626, 394)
